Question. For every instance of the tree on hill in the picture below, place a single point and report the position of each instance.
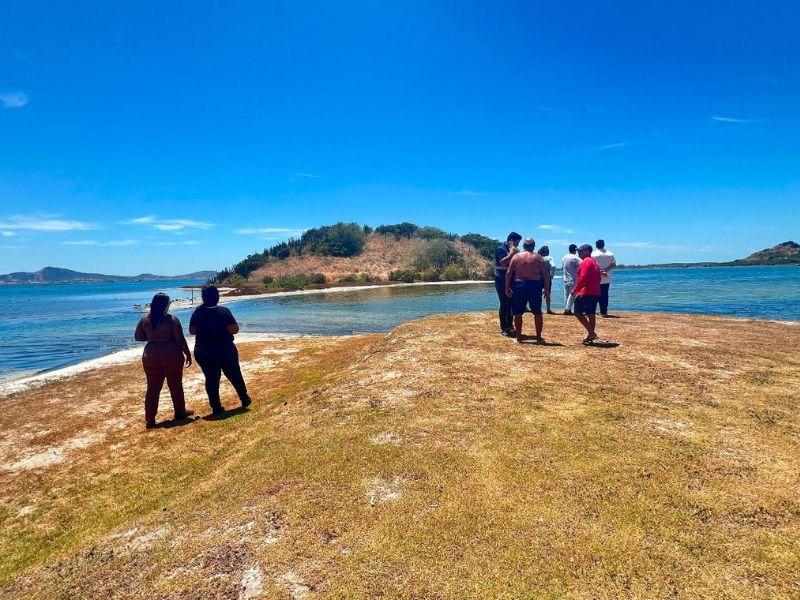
(342, 239)
(485, 245)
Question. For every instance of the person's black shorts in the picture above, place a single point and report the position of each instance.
(527, 294)
(586, 305)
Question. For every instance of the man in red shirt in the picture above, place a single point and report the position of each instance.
(587, 291)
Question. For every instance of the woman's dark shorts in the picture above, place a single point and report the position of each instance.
(586, 305)
(527, 294)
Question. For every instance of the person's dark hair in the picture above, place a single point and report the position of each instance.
(210, 295)
(573, 248)
(544, 251)
(600, 244)
(158, 309)
(514, 236)
(585, 248)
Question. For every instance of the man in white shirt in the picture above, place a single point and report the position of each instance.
(569, 266)
(607, 262)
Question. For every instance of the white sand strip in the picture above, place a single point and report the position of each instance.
(119, 357)
(352, 288)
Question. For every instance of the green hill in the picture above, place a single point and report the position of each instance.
(348, 252)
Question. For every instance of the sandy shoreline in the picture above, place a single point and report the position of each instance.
(352, 288)
(27, 380)
(119, 357)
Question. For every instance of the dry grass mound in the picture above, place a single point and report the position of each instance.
(438, 461)
(381, 255)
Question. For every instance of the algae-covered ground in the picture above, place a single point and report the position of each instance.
(438, 461)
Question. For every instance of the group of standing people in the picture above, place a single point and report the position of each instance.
(167, 353)
(523, 278)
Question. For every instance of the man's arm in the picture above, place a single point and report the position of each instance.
(505, 262)
(509, 278)
(579, 282)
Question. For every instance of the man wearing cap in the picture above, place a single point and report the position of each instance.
(526, 278)
(607, 262)
(587, 291)
(502, 257)
(569, 267)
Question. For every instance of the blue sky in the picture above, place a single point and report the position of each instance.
(169, 137)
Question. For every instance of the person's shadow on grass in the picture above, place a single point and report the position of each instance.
(530, 339)
(172, 423)
(606, 344)
(227, 414)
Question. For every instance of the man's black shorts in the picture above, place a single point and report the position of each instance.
(586, 305)
(527, 294)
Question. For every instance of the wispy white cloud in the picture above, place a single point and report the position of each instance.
(596, 149)
(720, 119)
(42, 223)
(8, 233)
(306, 175)
(8, 247)
(184, 243)
(611, 146)
(470, 193)
(556, 228)
(650, 246)
(15, 99)
(556, 242)
(168, 224)
(269, 230)
(99, 243)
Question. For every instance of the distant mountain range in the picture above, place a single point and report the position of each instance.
(786, 253)
(58, 275)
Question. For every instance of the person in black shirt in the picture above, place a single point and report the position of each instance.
(502, 258)
(214, 327)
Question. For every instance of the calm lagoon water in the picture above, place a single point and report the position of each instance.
(50, 326)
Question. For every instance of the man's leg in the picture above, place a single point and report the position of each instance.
(174, 373)
(604, 298)
(583, 320)
(536, 309)
(155, 381)
(505, 304)
(212, 371)
(590, 325)
(569, 299)
(537, 318)
(518, 326)
(548, 297)
(232, 370)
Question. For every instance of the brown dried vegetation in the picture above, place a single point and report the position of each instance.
(381, 255)
(438, 461)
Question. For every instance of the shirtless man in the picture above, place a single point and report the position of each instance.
(526, 277)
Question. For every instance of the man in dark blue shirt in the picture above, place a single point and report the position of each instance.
(502, 258)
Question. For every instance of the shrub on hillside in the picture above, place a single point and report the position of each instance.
(485, 245)
(455, 273)
(367, 277)
(295, 282)
(432, 233)
(268, 279)
(349, 278)
(401, 230)
(430, 274)
(436, 254)
(342, 239)
(404, 275)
